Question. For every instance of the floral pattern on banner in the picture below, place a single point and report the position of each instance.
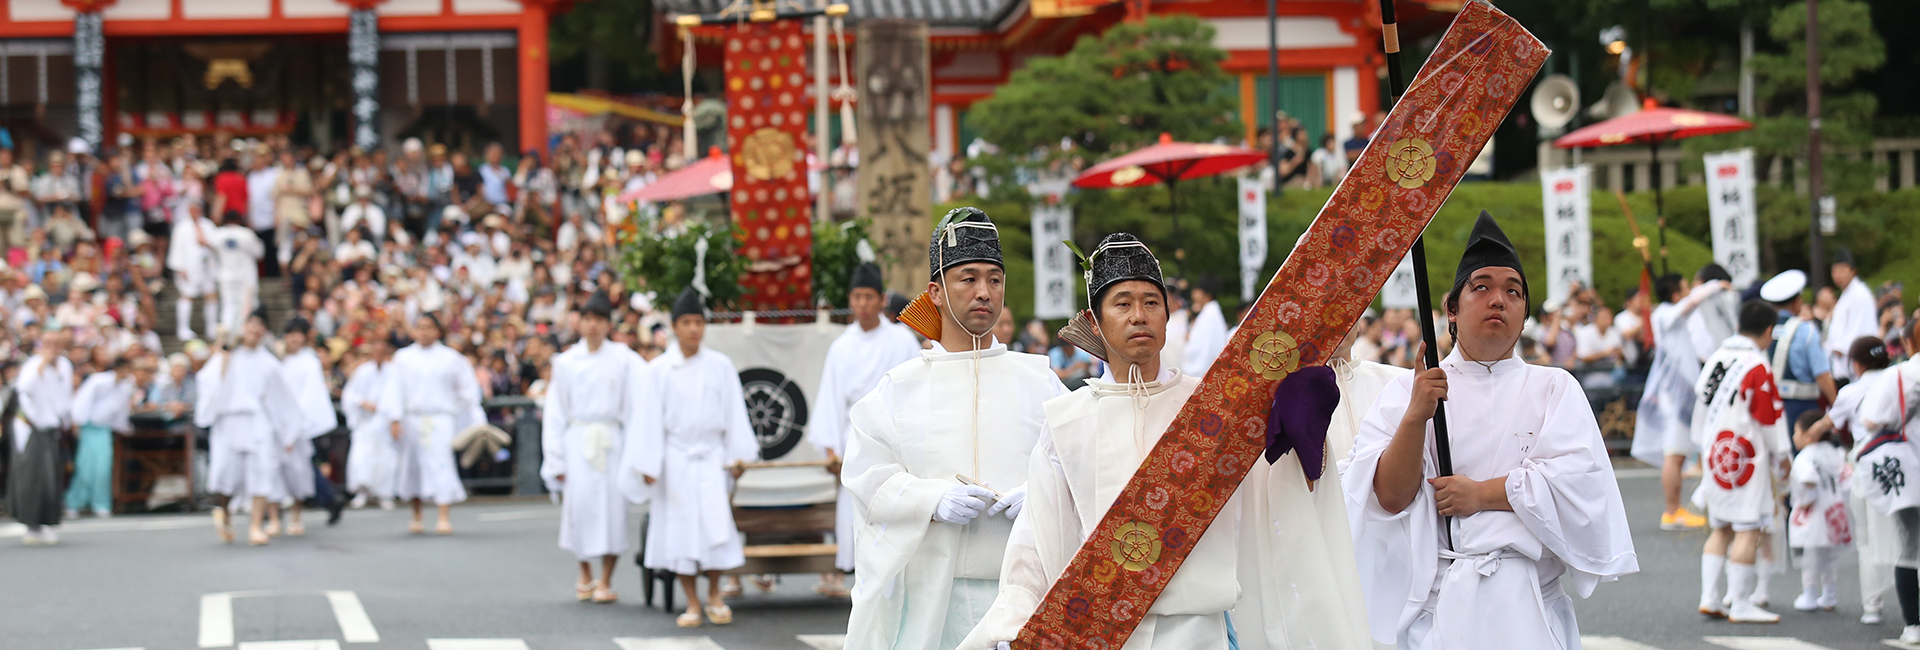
(766, 122)
(1388, 198)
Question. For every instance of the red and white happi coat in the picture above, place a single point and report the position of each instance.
(1738, 426)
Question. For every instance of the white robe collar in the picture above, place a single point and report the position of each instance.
(1455, 362)
(938, 354)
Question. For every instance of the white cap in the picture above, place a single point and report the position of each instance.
(1784, 287)
(79, 146)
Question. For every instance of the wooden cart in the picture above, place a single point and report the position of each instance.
(781, 539)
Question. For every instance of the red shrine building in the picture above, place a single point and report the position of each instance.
(330, 72)
(1330, 53)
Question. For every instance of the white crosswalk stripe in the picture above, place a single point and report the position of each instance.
(824, 641)
(668, 643)
(1897, 644)
(476, 644)
(1612, 643)
(1762, 643)
(320, 644)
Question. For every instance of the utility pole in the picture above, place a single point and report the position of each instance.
(1817, 271)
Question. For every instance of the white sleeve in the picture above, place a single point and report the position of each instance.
(553, 429)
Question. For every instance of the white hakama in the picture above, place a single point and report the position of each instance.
(434, 395)
(1503, 587)
(372, 455)
(1095, 438)
(855, 363)
(1299, 584)
(597, 403)
(921, 584)
(309, 385)
(252, 415)
(703, 430)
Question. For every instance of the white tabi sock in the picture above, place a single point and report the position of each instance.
(1740, 582)
(183, 314)
(1762, 580)
(1711, 568)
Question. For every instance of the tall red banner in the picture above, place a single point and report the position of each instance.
(766, 121)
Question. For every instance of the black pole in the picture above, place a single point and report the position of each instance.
(1816, 179)
(1273, 93)
(1659, 205)
(1423, 294)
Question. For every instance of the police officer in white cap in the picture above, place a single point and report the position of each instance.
(1800, 367)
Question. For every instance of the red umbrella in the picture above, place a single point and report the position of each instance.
(710, 175)
(1652, 126)
(1167, 162)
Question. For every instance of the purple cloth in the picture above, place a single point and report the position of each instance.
(1302, 409)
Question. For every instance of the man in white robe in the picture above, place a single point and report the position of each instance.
(1853, 315)
(1738, 426)
(237, 250)
(1095, 438)
(192, 260)
(251, 413)
(1480, 559)
(1662, 434)
(431, 396)
(928, 563)
(703, 443)
(1299, 586)
(101, 407)
(1209, 330)
(308, 381)
(371, 455)
(856, 361)
(600, 398)
(44, 390)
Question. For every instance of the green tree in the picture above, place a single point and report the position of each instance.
(1116, 91)
(605, 45)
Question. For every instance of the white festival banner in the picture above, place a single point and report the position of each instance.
(1054, 279)
(1253, 237)
(1733, 215)
(1567, 199)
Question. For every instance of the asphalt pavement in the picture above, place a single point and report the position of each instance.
(164, 582)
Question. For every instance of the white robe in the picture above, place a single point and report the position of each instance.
(1875, 533)
(309, 385)
(1095, 438)
(1299, 584)
(703, 430)
(192, 263)
(103, 400)
(372, 455)
(434, 395)
(597, 403)
(1853, 316)
(1531, 425)
(236, 252)
(921, 584)
(1741, 433)
(855, 363)
(251, 413)
(46, 398)
(1206, 340)
(1666, 404)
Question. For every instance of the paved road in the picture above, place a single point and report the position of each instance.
(164, 583)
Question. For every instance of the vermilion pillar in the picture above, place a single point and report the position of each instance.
(533, 74)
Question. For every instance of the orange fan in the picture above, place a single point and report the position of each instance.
(922, 316)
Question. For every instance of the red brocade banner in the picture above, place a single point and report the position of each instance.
(766, 71)
(1456, 102)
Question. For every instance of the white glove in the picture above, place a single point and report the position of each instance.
(1003, 645)
(961, 504)
(1011, 503)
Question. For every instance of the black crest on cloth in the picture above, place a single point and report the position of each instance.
(689, 302)
(1487, 246)
(964, 236)
(867, 274)
(598, 305)
(1121, 257)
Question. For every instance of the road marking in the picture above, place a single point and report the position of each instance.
(515, 515)
(1762, 643)
(115, 525)
(1612, 643)
(1897, 644)
(839, 641)
(476, 644)
(321, 644)
(355, 627)
(146, 649)
(216, 620)
(667, 643)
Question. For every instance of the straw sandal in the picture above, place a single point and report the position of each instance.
(720, 614)
(688, 619)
